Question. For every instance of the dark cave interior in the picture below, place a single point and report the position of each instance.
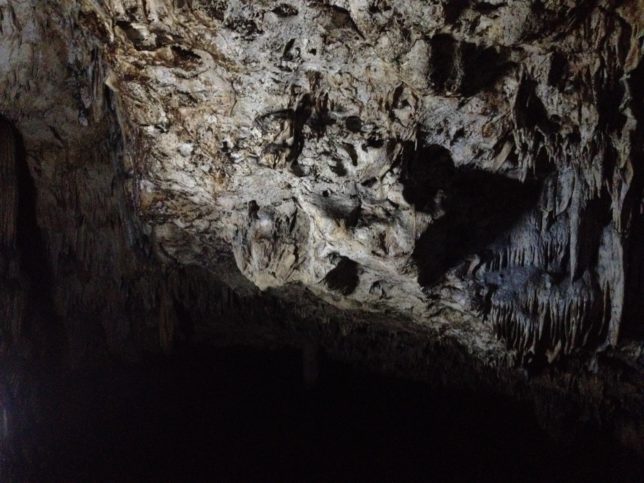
(241, 414)
(196, 376)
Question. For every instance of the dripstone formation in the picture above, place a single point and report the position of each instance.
(449, 173)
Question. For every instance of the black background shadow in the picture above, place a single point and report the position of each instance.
(42, 326)
(478, 207)
(241, 414)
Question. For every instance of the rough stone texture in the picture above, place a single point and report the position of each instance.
(465, 173)
(467, 159)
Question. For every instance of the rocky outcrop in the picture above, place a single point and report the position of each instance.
(474, 160)
(467, 173)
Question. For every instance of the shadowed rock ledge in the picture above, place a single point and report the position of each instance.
(448, 190)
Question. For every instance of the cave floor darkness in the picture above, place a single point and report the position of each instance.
(244, 415)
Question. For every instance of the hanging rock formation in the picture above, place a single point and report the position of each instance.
(461, 172)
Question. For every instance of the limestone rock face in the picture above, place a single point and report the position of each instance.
(472, 167)
(452, 162)
(458, 163)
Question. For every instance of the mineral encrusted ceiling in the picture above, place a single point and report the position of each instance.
(458, 162)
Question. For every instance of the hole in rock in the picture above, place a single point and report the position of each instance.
(558, 69)
(443, 49)
(185, 58)
(481, 67)
(344, 277)
(353, 123)
(426, 172)
(486, 8)
(285, 10)
(338, 168)
(464, 67)
(368, 183)
(453, 9)
(346, 214)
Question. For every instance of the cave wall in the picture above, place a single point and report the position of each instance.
(402, 183)
(466, 164)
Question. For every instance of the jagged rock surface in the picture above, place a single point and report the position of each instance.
(415, 157)
(468, 170)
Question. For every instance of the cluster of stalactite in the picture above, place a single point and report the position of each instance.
(556, 282)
